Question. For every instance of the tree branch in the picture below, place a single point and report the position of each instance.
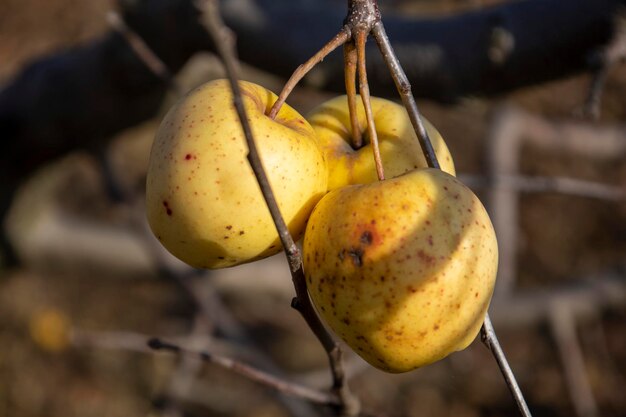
(251, 373)
(347, 402)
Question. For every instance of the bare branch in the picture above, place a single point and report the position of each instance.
(251, 373)
(541, 184)
(404, 89)
(225, 44)
(489, 338)
(585, 298)
(563, 328)
(511, 129)
(608, 57)
(143, 51)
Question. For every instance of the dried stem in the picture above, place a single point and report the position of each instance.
(348, 404)
(303, 69)
(489, 338)
(350, 59)
(364, 90)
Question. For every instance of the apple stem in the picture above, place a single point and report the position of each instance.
(350, 59)
(360, 39)
(224, 41)
(404, 89)
(489, 338)
(339, 39)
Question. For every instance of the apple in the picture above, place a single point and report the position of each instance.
(399, 147)
(203, 201)
(402, 269)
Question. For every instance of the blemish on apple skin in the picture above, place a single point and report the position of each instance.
(426, 258)
(357, 256)
(168, 210)
(366, 237)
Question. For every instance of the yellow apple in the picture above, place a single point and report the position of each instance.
(399, 148)
(203, 201)
(402, 269)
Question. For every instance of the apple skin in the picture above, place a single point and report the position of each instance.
(400, 150)
(402, 269)
(203, 201)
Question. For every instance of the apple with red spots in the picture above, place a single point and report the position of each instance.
(203, 201)
(402, 269)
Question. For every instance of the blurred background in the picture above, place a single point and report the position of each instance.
(83, 285)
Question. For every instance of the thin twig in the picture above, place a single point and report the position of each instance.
(510, 130)
(348, 404)
(224, 41)
(605, 59)
(339, 39)
(563, 328)
(404, 89)
(584, 299)
(287, 387)
(540, 184)
(143, 51)
(364, 90)
(350, 59)
(591, 107)
(187, 371)
(489, 338)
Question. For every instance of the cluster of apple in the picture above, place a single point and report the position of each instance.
(401, 269)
